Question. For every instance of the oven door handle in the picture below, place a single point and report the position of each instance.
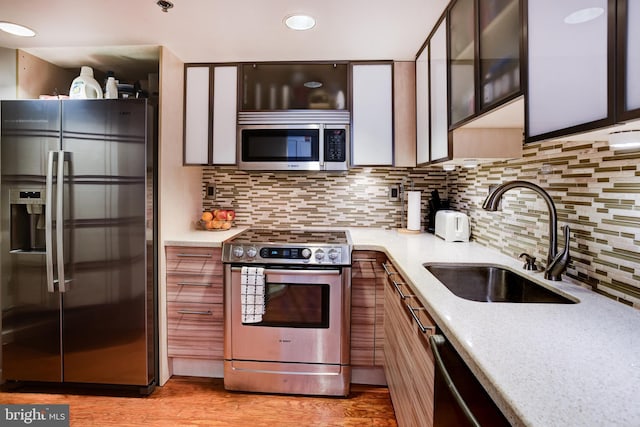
(301, 272)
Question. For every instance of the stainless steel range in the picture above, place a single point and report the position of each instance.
(288, 312)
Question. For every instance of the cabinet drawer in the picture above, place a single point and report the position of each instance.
(194, 287)
(195, 330)
(187, 258)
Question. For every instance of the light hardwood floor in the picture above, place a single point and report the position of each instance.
(187, 401)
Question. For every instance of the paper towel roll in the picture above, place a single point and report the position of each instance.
(413, 210)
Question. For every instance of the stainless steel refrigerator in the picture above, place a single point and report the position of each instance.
(78, 288)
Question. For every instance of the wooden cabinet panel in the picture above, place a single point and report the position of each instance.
(187, 287)
(409, 364)
(195, 330)
(193, 254)
(195, 280)
(367, 312)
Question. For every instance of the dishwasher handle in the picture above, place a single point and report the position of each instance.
(436, 341)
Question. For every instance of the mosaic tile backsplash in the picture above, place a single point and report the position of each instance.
(596, 192)
(357, 198)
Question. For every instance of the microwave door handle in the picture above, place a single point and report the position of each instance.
(60, 222)
(48, 220)
(321, 153)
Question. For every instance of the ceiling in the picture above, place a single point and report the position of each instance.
(124, 35)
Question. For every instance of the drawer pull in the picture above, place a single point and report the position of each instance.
(202, 313)
(194, 255)
(204, 285)
(386, 270)
(399, 290)
(423, 328)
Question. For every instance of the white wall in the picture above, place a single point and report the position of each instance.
(180, 188)
(8, 70)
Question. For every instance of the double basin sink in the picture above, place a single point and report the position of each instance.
(492, 283)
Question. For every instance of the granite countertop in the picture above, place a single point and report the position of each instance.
(543, 364)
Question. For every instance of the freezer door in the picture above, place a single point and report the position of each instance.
(30, 313)
(105, 330)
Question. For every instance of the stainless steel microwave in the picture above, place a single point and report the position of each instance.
(296, 147)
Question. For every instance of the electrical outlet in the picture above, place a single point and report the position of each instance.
(211, 191)
(394, 193)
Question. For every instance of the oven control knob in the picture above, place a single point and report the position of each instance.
(334, 254)
(238, 251)
(252, 252)
(319, 255)
(306, 253)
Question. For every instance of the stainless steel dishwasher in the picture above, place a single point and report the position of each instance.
(460, 400)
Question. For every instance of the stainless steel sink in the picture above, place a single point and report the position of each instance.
(491, 283)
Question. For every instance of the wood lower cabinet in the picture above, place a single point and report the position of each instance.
(409, 363)
(195, 311)
(367, 317)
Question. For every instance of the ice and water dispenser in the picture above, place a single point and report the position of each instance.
(28, 208)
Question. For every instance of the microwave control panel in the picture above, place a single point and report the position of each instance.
(335, 145)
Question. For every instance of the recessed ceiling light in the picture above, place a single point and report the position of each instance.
(300, 22)
(583, 15)
(16, 30)
(164, 5)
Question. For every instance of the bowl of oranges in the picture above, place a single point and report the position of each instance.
(217, 220)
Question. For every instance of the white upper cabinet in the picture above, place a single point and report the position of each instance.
(439, 139)
(422, 107)
(372, 115)
(225, 95)
(196, 115)
(569, 67)
(631, 36)
(210, 114)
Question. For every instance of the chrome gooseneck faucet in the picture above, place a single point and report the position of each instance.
(556, 262)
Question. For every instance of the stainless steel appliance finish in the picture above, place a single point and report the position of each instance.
(301, 345)
(289, 247)
(77, 282)
(293, 147)
(492, 283)
(459, 398)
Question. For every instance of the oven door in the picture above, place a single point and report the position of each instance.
(302, 320)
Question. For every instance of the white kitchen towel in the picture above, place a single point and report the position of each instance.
(252, 294)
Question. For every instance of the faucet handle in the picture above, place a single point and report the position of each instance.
(530, 262)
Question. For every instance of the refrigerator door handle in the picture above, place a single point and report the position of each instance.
(48, 232)
(60, 222)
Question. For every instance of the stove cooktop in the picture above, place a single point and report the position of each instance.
(265, 246)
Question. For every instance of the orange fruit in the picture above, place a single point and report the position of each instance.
(206, 216)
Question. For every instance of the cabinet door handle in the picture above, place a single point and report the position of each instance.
(423, 328)
(193, 255)
(436, 341)
(397, 286)
(201, 313)
(386, 270)
(204, 285)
